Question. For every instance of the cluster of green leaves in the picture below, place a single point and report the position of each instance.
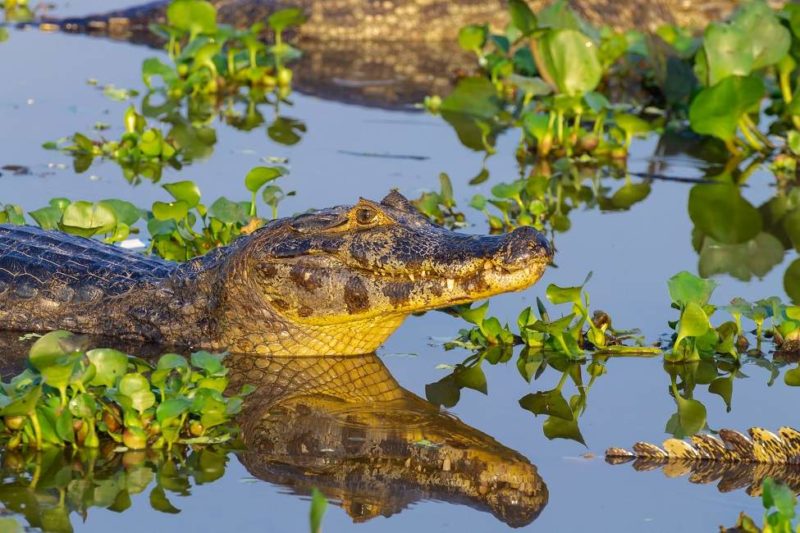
(179, 229)
(542, 75)
(571, 335)
(441, 206)
(46, 486)
(551, 75)
(73, 396)
(780, 511)
(695, 338)
(141, 150)
(211, 58)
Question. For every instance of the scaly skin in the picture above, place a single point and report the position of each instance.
(344, 425)
(335, 281)
(733, 459)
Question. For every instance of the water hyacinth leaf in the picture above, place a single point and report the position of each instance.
(286, 131)
(110, 365)
(562, 295)
(137, 389)
(47, 217)
(726, 52)
(791, 225)
(694, 323)
(551, 403)
(154, 67)
(23, 405)
(472, 37)
(229, 212)
(172, 408)
(87, 218)
(473, 96)
(125, 212)
(629, 194)
(193, 16)
(318, 506)
(83, 406)
(185, 191)
(767, 38)
(559, 428)
(176, 210)
(158, 498)
(474, 315)
(719, 210)
(259, 176)
(756, 257)
(285, 18)
(210, 363)
(522, 17)
(472, 378)
(689, 420)
(570, 57)
(716, 110)
(444, 392)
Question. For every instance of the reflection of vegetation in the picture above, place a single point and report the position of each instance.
(16, 11)
(214, 69)
(73, 396)
(45, 487)
(779, 511)
(318, 506)
(173, 226)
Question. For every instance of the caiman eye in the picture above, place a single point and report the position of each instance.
(366, 216)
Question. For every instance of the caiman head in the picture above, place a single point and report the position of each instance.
(341, 280)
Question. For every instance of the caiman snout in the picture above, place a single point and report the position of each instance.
(523, 246)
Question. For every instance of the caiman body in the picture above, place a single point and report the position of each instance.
(335, 281)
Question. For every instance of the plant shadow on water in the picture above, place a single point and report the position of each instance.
(341, 424)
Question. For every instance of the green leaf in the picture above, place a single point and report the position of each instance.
(559, 428)
(562, 295)
(176, 210)
(716, 110)
(318, 506)
(259, 176)
(186, 191)
(522, 17)
(444, 392)
(228, 212)
(284, 18)
(690, 418)
(110, 366)
(474, 315)
(23, 405)
(83, 406)
(87, 218)
(158, 498)
(472, 37)
(193, 16)
(693, 323)
(473, 96)
(172, 408)
(210, 363)
(137, 389)
(727, 52)
(471, 377)
(791, 281)
(767, 39)
(550, 403)
(719, 210)
(572, 61)
(47, 217)
(686, 288)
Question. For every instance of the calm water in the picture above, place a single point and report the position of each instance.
(44, 95)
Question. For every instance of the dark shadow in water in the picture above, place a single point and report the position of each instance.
(341, 424)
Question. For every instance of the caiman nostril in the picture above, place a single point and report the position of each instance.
(525, 244)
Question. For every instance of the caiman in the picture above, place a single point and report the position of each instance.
(733, 459)
(334, 281)
(344, 426)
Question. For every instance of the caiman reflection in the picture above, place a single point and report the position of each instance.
(344, 425)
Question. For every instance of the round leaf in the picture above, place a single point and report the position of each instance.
(110, 366)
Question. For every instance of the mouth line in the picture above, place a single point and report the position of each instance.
(488, 265)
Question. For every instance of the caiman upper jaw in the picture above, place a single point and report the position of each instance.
(523, 246)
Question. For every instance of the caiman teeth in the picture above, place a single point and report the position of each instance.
(488, 265)
(411, 277)
(451, 283)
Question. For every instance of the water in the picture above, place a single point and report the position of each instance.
(44, 95)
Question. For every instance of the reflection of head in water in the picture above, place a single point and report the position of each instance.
(344, 425)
